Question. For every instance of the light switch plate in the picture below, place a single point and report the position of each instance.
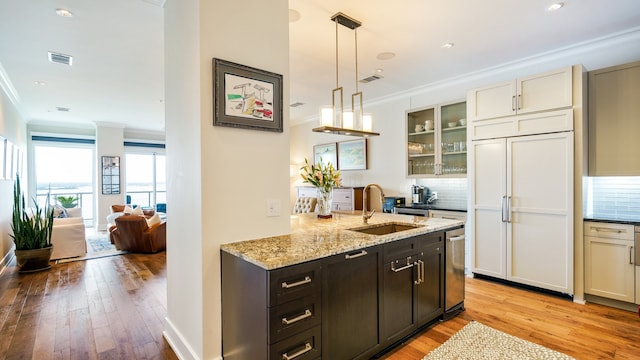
(273, 207)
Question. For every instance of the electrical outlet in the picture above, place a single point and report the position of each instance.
(435, 195)
(273, 207)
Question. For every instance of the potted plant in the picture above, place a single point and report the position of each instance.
(324, 178)
(31, 232)
(67, 202)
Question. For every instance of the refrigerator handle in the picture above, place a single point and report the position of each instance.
(502, 210)
(508, 209)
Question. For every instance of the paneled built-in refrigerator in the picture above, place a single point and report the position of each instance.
(521, 210)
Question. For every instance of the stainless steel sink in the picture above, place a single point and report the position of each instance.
(384, 229)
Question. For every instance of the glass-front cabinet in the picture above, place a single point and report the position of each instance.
(437, 141)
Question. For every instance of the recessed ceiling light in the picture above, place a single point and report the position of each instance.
(447, 46)
(41, 83)
(64, 13)
(379, 71)
(385, 56)
(554, 7)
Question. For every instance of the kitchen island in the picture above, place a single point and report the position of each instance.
(328, 290)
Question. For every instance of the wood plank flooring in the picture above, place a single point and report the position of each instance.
(588, 331)
(114, 308)
(107, 308)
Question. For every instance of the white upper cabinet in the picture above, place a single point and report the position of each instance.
(542, 92)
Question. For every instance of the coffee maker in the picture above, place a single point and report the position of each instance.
(417, 194)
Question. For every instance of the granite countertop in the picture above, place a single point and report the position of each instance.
(614, 221)
(312, 238)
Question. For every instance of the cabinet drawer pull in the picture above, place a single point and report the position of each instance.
(513, 103)
(631, 255)
(402, 268)
(603, 229)
(307, 347)
(361, 253)
(306, 314)
(286, 285)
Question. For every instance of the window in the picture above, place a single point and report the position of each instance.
(65, 169)
(145, 181)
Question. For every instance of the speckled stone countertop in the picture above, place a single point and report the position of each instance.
(312, 238)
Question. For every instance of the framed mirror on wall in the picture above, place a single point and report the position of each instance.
(110, 175)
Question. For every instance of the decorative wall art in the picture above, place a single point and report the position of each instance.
(352, 155)
(2, 157)
(246, 97)
(325, 153)
(110, 175)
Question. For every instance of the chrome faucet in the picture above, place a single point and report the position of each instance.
(367, 215)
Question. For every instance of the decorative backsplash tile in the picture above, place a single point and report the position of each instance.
(612, 198)
(452, 193)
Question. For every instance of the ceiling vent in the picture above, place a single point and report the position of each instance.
(63, 109)
(296, 104)
(60, 58)
(371, 78)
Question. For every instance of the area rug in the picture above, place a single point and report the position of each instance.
(479, 342)
(98, 246)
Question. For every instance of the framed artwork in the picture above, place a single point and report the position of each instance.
(352, 155)
(246, 97)
(110, 175)
(2, 157)
(325, 153)
(9, 171)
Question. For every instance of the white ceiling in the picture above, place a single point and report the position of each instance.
(117, 45)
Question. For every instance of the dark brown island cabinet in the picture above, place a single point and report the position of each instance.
(353, 305)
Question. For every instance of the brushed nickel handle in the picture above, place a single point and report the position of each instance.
(307, 313)
(603, 229)
(409, 265)
(631, 255)
(286, 285)
(513, 103)
(354, 256)
(420, 266)
(508, 209)
(519, 101)
(457, 238)
(307, 347)
(503, 209)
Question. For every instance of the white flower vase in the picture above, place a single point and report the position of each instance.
(325, 200)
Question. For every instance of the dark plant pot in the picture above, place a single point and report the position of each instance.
(34, 260)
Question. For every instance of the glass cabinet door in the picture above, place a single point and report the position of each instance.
(453, 145)
(422, 142)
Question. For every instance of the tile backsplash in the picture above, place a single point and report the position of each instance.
(612, 198)
(452, 193)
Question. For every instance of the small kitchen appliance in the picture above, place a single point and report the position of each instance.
(390, 202)
(417, 194)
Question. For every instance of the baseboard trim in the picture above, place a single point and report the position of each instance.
(4, 263)
(178, 343)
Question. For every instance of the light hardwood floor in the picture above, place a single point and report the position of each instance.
(113, 308)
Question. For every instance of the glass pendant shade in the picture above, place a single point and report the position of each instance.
(347, 120)
(326, 116)
(367, 122)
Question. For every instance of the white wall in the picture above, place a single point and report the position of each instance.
(219, 179)
(13, 128)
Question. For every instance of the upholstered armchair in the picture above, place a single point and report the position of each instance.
(304, 205)
(68, 236)
(132, 233)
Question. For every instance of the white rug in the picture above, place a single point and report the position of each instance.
(476, 341)
(98, 246)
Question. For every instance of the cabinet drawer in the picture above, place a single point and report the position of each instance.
(307, 192)
(342, 206)
(294, 282)
(343, 196)
(293, 317)
(399, 249)
(608, 230)
(303, 346)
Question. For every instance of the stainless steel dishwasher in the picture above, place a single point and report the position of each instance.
(454, 274)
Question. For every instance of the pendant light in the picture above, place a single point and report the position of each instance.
(333, 119)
